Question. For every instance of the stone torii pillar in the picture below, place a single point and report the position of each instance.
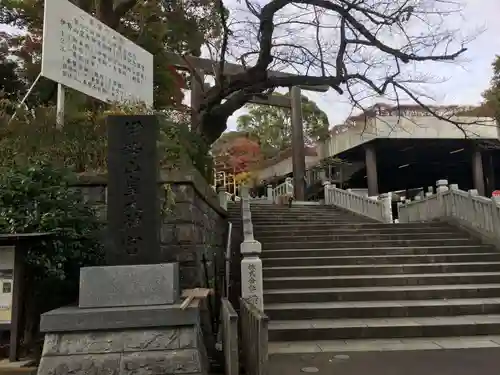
(298, 152)
(371, 170)
(477, 171)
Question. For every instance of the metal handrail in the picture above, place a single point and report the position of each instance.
(228, 258)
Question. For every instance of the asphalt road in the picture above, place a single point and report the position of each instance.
(484, 361)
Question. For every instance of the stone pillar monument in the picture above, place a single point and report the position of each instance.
(128, 317)
(133, 211)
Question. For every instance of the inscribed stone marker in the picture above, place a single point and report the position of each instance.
(133, 211)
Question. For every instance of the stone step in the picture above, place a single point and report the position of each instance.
(292, 216)
(382, 309)
(294, 208)
(390, 293)
(370, 251)
(287, 227)
(373, 243)
(312, 330)
(335, 347)
(381, 259)
(307, 282)
(360, 236)
(331, 230)
(309, 219)
(381, 269)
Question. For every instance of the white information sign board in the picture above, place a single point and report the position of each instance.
(84, 54)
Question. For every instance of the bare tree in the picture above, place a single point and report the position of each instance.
(357, 47)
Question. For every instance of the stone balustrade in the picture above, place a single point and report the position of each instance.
(251, 264)
(375, 208)
(449, 203)
(286, 188)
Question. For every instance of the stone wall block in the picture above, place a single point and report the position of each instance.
(82, 343)
(183, 193)
(164, 339)
(190, 276)
(184, 212)
(188, 338)
(179, 253)
(187, 233)
(168, 233)
(80, 364)
(161, 362)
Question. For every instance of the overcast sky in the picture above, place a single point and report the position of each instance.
(464, 82)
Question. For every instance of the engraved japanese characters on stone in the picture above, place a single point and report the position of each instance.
(133, 208)
(133, 215)
(253, 299)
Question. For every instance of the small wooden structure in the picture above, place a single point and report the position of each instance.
(21, 243)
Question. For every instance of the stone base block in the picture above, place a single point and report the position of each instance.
(175, 348)
(138, 285)
(73, 318)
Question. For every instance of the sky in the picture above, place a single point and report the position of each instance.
(463, 83)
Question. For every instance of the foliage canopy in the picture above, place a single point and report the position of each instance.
(272, 126)
(157, 26)
(492, 94)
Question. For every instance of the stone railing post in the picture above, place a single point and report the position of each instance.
(326, 187)
(386, 200)
(289, 185)
(495, 215)
(441, 188)
(251, 265)
(400, 219)
(473, 193)
(270, 193)
(223, 198)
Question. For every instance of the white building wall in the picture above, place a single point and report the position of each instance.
(391, 127)
(418, 127)
(284, 167)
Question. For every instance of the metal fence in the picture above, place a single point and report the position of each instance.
(254, 337)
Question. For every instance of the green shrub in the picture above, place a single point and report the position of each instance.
(38, 198)
(81, 144)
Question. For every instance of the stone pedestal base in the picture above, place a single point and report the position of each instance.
(128, 322)
(125, 340)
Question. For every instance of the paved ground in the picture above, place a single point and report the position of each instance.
(482, 361)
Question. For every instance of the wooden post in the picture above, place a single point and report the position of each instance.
(298, 153)
(21, 243)
(18, 287)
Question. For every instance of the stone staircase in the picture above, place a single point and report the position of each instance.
(331, 275)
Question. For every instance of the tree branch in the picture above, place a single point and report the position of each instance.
(122, 7)
(359, 27)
